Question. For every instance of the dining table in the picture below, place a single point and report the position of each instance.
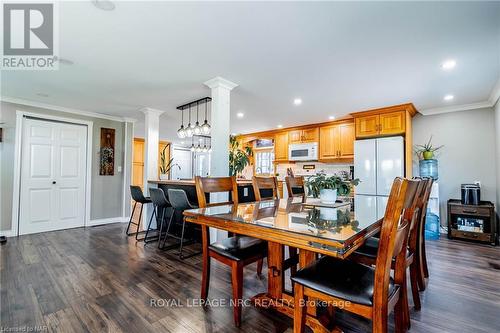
(314, 228)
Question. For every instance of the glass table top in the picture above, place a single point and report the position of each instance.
(337, 222)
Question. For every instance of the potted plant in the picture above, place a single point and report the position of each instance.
(328, 187)
(427, 150)
(239, 157)
(165, 166)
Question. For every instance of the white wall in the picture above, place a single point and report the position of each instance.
(106, 191)
(468, 153)
(497, 126)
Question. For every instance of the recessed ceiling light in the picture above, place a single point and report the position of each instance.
(448, 64)
(42, 95)
(280, 126)
(240, 114)
(331, 117)
(297, 101)
(448, 97)
(104, 4)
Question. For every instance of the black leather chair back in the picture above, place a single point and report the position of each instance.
(137, 195)
(158, 197)
(178, 199)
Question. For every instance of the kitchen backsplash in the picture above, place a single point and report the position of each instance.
(298, 169)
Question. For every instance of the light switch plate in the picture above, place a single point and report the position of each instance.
(119, 168)
(245, 191)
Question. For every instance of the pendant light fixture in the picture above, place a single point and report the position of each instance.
(205, 149)
(181, 132)
(192, 144)
(197, 127)
(205, 128)
(189, 128)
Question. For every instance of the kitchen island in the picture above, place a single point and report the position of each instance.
(245, 189)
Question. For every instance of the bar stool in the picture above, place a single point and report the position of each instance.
(179, 201)
(160, 204)
(138, 197)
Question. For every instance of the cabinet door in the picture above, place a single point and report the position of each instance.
(328, 142)
(346, 140)
(310, 135)
(295, 136)
(367, 126)
(392, 123)
(281, 146)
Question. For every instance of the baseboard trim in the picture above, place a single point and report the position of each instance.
(8, 233)
(119, 219)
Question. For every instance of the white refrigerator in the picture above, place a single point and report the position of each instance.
(376, 163)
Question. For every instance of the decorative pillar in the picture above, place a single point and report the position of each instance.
(151, 142)
(219, 161)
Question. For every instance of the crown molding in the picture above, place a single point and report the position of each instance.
(26, 102)
(495, 93)
(220, 82)
(454, 108)
(148, 110)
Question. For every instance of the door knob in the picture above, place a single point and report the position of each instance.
(53, 182)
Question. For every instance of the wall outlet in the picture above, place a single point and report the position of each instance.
(245, 191)
(119, 168)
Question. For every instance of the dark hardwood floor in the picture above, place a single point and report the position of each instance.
(97, 280)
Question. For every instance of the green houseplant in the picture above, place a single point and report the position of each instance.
(426, 151)
(327, 187)
(239, 157)
(165, 166)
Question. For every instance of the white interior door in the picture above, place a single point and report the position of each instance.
(53, 176)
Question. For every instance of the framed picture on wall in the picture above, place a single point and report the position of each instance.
(107, 152)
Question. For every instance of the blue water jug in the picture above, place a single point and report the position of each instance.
(428, 168)
(431, 226)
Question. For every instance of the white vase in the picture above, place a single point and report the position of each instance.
(328, 196)
(164, 176)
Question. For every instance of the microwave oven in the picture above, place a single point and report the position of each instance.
(303, 151)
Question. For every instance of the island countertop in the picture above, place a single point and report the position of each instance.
(240, 182)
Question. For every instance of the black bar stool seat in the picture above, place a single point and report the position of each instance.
(138, 197)
(160, 204)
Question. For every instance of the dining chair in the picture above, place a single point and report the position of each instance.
(271, 185)
(296, 187)
(361, 289)
(139, 198)
(367, 254)
(235, 251)
(423, 271)
(180, 202)
(160, 206)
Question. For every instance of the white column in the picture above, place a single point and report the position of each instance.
(220, 116)
(221, 97)
(151, 142)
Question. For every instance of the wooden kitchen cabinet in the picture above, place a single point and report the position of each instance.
(336, 141)
(367, 126)
(281, 146)
(304, 135)
(380, 124)
(392, 123)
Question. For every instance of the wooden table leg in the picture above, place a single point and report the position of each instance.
(205, 277)
(275, 278)
(305, 259)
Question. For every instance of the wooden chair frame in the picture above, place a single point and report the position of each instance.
(295, 182)
(392, 245)
(265, 183)
(212, 185)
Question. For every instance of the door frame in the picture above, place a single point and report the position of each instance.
(20, 117)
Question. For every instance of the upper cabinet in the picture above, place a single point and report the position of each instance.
(281, 147)
(385, 121)
(336, 141)
(304, 135)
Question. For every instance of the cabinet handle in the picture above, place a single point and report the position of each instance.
(470, 211)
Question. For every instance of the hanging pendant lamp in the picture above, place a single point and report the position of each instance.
(189, 128)
(205, 128)
(181, 132)
(197, 127)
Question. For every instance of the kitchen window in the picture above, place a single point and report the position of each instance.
(264, 162)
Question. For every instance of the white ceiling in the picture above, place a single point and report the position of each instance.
(338, 57)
